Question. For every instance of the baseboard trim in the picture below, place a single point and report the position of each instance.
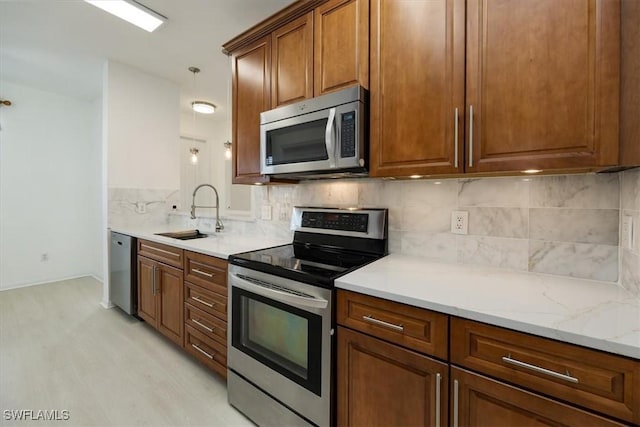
(46, 282)
(107, 304)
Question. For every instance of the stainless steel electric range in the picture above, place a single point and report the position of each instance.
(281, 315)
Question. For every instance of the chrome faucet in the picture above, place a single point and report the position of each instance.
(219, 225)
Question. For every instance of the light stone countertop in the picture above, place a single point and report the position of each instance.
(219, 245)
(593, 314)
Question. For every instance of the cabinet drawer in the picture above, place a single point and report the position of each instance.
(163, 253)
(412, 327)
(209, 325)
(589, 378)
(481, 401)
(206, 300)
(208, 351)
(206, 271)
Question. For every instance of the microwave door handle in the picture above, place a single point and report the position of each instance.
(330, 137)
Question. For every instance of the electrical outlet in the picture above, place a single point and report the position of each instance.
(460, 222)
(266, 212)
(627, 232)
(44, 257)
(141, 207)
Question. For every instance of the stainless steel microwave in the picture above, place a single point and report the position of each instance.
(316, 138)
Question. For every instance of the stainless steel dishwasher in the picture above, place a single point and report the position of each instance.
(123, 283)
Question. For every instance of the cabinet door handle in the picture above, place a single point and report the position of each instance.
(438, 381)
(142, 245)
(202, 325)
(210, 356)
(204, 273)
(375, 321)
(455, 139)
(153, 281)
(471, 136)
(455, 403)
(201, 301)
(534, 368)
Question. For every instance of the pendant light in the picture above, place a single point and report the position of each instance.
(202, 107)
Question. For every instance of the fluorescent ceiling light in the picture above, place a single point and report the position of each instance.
(131, 11)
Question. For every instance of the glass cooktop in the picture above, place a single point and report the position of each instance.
(303, 262)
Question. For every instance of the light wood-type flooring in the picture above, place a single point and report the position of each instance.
(60, 350)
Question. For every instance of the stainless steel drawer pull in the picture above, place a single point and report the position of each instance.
(438, 381)
(202, 325)
(201, 301)
(515, 362)
(204, 273)
(375, 321)
(210, 356)
(142, 245)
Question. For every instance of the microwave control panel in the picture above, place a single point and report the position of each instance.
(348, 135)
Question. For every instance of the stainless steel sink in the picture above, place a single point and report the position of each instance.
(184, 235)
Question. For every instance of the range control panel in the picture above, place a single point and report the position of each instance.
(336, 221)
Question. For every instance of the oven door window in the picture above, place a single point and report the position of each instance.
(300, 143)
(282, 337)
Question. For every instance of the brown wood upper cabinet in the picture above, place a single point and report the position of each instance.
(417, 83)
(251, 80)
(543, 79)
(292, 63)
(308, 49)
(341, 45)
(542, 86)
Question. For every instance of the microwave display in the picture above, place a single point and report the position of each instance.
(300, 143)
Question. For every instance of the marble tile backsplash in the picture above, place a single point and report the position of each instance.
(139, 207)
(630, 203)
(563, 225)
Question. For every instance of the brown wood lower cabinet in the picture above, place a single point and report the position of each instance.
(498, 377)
(205, 310)
(480, 401)
(382, 384)
(160, 296)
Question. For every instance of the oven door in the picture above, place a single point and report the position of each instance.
(280, 340)
(313, 142)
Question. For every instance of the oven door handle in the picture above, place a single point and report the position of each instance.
(278, 293)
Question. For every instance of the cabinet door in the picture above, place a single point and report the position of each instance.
(543, 82)
(381, 384)
(341, 45)
(251, 75)
(147, 308)
(171, 302)
(292, 63)
(417, 83)
(480, 401)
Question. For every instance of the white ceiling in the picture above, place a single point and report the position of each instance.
(61, 45)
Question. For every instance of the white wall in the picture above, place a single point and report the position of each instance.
(142, 119)
(141, 164)
(233, 198)
(49, 187)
